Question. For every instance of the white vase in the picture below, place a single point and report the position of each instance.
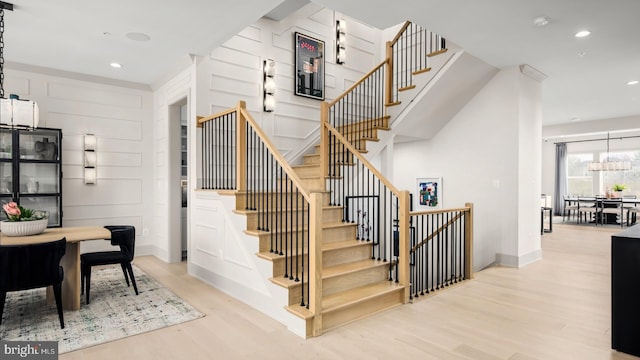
(23, 228)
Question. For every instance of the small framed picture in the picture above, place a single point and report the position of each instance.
(429, 192)
(309, 67)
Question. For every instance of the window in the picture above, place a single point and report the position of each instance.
(631, 178)
(579, 179)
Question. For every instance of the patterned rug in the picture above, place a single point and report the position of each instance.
(114, 312)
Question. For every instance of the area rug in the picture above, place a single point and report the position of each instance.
(114, 312)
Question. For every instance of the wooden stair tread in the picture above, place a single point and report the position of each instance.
(441, 51)
(353, 296)
(255, 232)
(422, 71)
(271, 256)
(407, 88)
(286, 282)
(393, 103)
(270, 210)
(336, 225)
(343, 245)
(300, 311)
(351, 267)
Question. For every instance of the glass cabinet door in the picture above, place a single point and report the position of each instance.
(6, 144)
(39, 178)
(46, 203)
(6, 179)
(39, 145)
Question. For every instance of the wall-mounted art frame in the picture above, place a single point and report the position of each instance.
(429, 192)
(309, 67)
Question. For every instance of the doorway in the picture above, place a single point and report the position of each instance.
(178, 180)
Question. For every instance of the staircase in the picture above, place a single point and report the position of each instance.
(340, 238)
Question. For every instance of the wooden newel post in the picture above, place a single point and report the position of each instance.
(241, 151)
(315, 262)
(403, 258)
(324, 139)
(389, 74)
(468, 242)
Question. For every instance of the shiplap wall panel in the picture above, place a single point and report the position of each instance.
(235, 72)
(18, 85)
(63, 91)
(117, 116)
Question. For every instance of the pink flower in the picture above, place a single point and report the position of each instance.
(11, 209)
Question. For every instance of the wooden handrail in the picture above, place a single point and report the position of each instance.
(357, 83)
(441, 228)
(404, 27)
(366, 163)
(276, 154)
(203, 119)
(440, 211)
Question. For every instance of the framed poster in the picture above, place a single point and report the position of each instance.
(429, 193)
(309, 70)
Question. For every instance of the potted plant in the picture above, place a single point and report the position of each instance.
(617, 188)
(22, 221)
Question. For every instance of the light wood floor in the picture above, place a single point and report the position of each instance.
(557, 308)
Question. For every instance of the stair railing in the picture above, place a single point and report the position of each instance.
(441, 249)
(407, 55)
(237, 155)
(379, 210)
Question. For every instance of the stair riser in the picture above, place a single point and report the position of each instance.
(305, 171)
(277, 219)
(272, 198)
(358, 144)
(264, 240)
(332, 215)
(343, 282)
(313, 159)
(375, 123)
(361, 309)
(343, 256)
(295, 267)
(343, 233)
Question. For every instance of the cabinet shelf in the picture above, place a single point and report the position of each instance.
(33, 176)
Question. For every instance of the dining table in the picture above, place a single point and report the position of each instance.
(71, 286)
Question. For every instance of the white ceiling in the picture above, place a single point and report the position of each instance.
(69, 35)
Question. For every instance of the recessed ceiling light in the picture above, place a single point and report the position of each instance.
(582, 53)
(136, 36)
(541, 21)
(633, 82)
(583, 33)
(116, 65)
(575, 119)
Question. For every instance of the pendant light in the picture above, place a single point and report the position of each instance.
(608, 165)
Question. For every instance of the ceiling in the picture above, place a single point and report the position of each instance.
(587, 77)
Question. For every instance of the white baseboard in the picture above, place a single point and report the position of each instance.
(518, 261)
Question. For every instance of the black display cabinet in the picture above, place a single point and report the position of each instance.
(31, 170)
(625, 291)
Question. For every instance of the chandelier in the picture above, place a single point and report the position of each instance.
(14, 111)
(609, 165)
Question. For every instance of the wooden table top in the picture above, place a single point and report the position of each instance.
(73, 234)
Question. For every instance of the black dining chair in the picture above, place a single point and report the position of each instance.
(123, 236)
(32, 266)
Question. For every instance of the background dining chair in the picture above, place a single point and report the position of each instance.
(123, 236)
(588, 205)
(570, 206)
(32, 266)
(613, 207)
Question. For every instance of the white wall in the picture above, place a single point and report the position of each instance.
(120, 117)
(478, 154)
